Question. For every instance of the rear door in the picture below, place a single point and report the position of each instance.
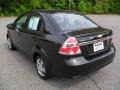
(33, 28)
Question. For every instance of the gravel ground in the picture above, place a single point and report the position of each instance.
(17, 71)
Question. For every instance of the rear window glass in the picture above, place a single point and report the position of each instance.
(70, 21)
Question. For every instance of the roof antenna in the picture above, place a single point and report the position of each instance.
(69, 4)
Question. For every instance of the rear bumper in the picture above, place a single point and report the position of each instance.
(79, 65)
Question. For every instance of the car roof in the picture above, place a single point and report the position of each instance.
(54, 11)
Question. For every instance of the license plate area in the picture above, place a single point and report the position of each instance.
(98, 46)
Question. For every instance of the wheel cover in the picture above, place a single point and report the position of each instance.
(41, 67)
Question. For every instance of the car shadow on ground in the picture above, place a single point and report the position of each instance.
(62, 83)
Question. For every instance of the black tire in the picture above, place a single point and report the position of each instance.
(46, 74)
(11, 46)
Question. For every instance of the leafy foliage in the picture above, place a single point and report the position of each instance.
(15, 7)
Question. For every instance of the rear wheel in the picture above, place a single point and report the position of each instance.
(10, 44)
(42, 68)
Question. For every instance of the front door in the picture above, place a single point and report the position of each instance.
(19, 29)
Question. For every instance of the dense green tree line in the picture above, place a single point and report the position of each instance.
(14, 7)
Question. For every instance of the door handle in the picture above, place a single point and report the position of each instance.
(17, 29)
(33, 37)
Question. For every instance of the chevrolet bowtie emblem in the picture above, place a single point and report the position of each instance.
(100, 35)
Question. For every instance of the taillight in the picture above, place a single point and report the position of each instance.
(70, 47)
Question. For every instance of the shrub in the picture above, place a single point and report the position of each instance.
(14, 7)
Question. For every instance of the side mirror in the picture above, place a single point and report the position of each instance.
(10, 26)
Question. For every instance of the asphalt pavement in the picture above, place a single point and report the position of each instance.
(17, 71)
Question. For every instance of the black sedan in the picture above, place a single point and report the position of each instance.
(60, 42)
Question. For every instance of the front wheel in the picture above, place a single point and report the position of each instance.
(42, 68)
(10, 44)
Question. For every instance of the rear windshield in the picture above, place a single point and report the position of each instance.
(70, 21)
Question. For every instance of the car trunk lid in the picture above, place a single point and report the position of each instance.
(87, 39)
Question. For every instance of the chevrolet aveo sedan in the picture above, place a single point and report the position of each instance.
(63, 43)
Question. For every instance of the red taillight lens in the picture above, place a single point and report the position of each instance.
(70, 47)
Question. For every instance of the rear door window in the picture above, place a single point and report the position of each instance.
(34, 22)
